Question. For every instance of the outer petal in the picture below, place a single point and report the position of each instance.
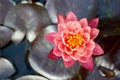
(68, 63)
(98, 50)
(89, 64)
(57, 52)
(87, 29)
(52, 56)
(66, 57)
(83, 22)
(86, 37)
(61, 47)
(83, 59)
(61, 27)
(57, 40)
(61, 19)
(93, 23)
(71, 17)
(88, 53)
(90, 45)
(51, 36)
(94, 33)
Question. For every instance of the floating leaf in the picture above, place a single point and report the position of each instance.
(31, 77)
(50, 6)
(27, 17)
(5, 35)
(82, 8)
(39, 61)
(5, 5)
(6, 68)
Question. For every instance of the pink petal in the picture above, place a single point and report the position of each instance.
(68, 50)
(86, 37)
(57, 52)
(66, 57)
(61, 19)
(87, 29)
(69, 63)
(98, 50)
(52, 56)
(89, 64)
(93, 23)
(57, 40)
(71, 17)
(75, 26)
(90, 45)
(83, 59)
(88, 53)
(75, 55)
(64, 34)
(94, 33)
(83, 22)
(61, 27)
(51, 36)
(80, 50)
(61, 47)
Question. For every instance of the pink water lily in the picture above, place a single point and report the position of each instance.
(74, 41)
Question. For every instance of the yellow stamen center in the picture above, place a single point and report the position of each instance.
(75, 40)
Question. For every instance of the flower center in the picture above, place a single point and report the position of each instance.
(75, 40)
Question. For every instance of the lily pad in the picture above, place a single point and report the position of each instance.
(5, 5)
(82, 8)
(5, 35)
(6, 68)
(27, 16)
(39, 61)
(31, 77)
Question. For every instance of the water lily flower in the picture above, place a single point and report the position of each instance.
(74, 41)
